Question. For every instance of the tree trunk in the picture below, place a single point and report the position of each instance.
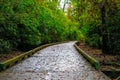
(104, 34)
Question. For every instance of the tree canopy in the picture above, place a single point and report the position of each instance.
(99, 22)
(26, 24)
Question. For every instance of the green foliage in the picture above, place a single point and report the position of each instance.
(94, 40)
(88, 15)
(112, 32)
(92, 35)
(17, 25)
(74, 33)
(26, 24)
(96, 31)
(5, 46)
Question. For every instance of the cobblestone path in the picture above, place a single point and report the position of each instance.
(57, 62)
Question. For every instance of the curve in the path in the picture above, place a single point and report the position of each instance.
(58, 62)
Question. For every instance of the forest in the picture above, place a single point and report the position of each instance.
(30, 23)
(27, 24)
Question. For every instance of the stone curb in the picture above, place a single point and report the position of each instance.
(6, 64)
(118, 78)
(92, 61)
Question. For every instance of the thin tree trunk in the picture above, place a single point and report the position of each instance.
(65, 2)
(104, 35)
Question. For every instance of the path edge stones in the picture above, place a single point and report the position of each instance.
(95, 63)
(118, 78)
(8, 63)
(91, 60)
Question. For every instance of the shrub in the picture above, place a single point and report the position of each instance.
(5, 46)
(94, 41)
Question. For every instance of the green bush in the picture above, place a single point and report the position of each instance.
(94, 40)
(92, 35)
(111, 36)
(29, 23)
(5, 46)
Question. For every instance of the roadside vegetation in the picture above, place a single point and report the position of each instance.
(26, 24)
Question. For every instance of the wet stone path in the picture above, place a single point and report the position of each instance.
(57, 62)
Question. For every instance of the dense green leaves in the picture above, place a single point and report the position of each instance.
(28, 23)
(87, 14)
(5, 46)
(99, 23)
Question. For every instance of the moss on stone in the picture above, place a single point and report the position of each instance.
(93, 61)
